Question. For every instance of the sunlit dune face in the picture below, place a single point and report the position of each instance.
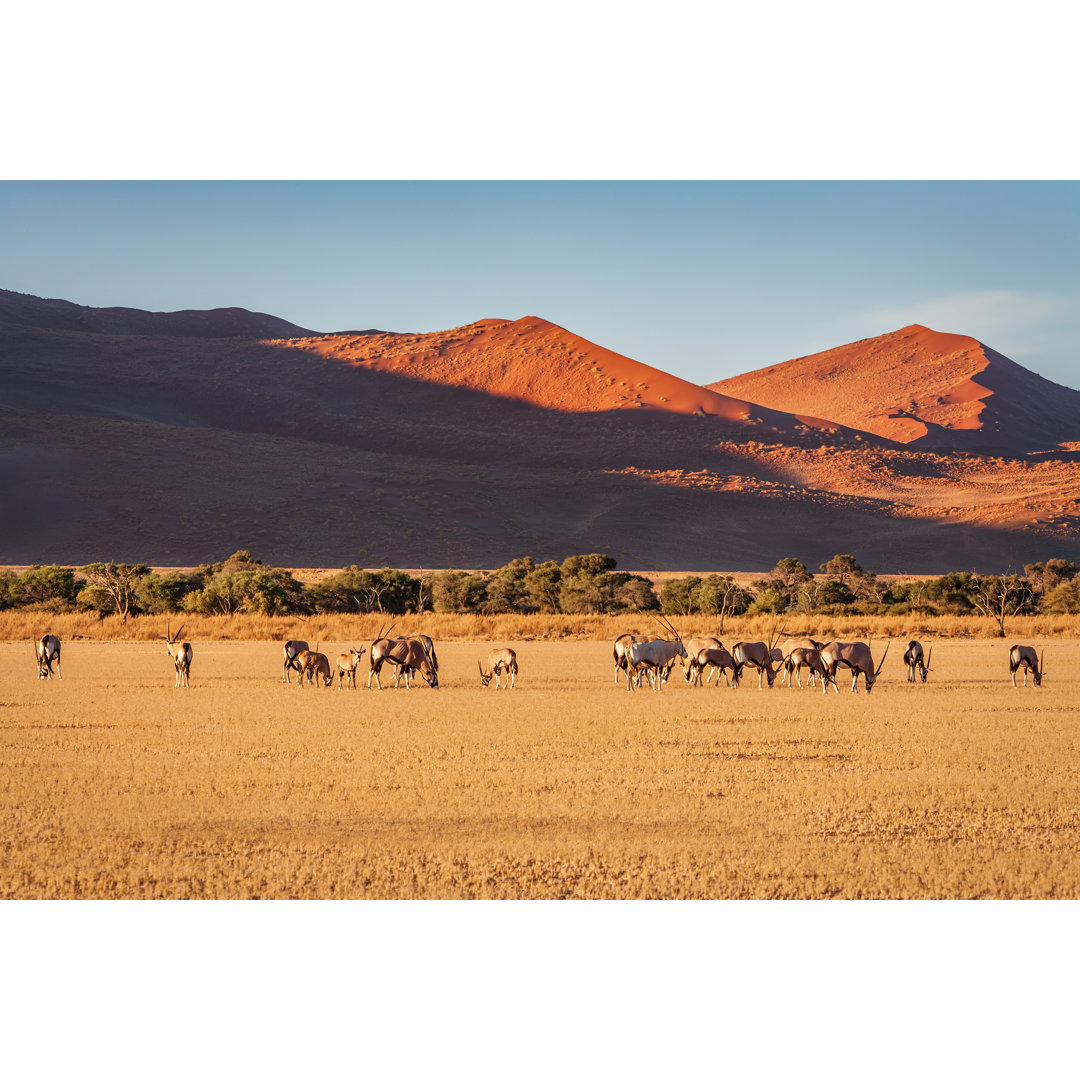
(535, 361)
(917, 384)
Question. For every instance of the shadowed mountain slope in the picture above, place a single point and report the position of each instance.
(173, 451)
(922, 388)
(20, 309)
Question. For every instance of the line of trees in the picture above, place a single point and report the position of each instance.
(580, 584)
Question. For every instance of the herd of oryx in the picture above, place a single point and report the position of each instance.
(638, 658)
(653, 658)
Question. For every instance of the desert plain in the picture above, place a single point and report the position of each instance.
(113, 784)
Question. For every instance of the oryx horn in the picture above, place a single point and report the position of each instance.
(883, 655)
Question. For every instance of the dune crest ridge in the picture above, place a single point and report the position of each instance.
(921, 387)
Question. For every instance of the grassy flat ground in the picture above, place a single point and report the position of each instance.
(114, 784)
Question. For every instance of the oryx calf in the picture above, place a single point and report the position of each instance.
(346, 667)
(181, 653)
(1023, 656)
(913, 658)
(810, 659)
(291, 650)
(47, 650)
(788, 648)
(499, 662)
(855, 655)
(693, 647)
(719, 660)
(315, 665)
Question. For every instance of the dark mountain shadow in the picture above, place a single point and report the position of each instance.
(174, 452)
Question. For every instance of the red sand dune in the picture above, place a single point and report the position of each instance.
(533, 360)
(919, 386)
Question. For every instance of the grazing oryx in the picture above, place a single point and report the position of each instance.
(291, 650)
(499, 662)
(801, 657)
(429, 648)
(855, 655)
(47, 650)
(758, 655)
(409, 654)
(913, 658)
(181, 654)
(720, 660)
(315, 665)
(346, 667)
(1023, 656)
(653, 656)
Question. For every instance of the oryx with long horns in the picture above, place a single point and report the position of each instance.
(47, 650)
(855, 655)
(653, 658)
(181, 653)
(916, 664)
(379, 652)
(1023, 656)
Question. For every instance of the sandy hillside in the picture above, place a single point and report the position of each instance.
(535, 361)
(467, 448)
(924, 388)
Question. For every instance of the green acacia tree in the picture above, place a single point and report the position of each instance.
(114, 586)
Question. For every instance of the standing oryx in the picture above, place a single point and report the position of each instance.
(1023, 656)
(653, 657)
(856, 656)
(47, 650)
(499, 662)
(181, 654)
(913, 658)
(622, 643)
(291, 650)
(379, 653)
(346, 667)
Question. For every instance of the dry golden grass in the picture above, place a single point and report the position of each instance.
(21, 625)
(116, 785)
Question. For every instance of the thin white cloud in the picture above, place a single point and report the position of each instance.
(996, 314)
(1041, 330)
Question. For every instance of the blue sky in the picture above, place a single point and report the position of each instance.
(704, 279)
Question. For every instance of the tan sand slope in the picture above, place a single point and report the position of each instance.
(918, 386)
(536, 361)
